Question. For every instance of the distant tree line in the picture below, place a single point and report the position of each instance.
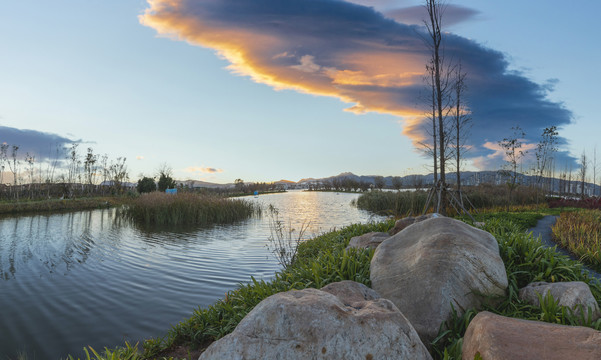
(68, 173)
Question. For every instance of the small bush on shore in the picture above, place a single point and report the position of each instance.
(158, 208)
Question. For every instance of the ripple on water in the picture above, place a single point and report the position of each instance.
(88, 278)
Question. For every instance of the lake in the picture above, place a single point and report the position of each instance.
(71, 280)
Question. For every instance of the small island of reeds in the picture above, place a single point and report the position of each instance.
(158, 208)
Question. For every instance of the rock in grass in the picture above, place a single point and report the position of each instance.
(401, 224)
(316, 324)
(370, 240)
(436, 265)
(575, 295)
(497, 337)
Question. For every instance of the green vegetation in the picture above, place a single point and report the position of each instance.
(392, 203)
(158, 208)
(412, 202)
(580, 233)
(526, 260)
(11, 207)
(146, 185)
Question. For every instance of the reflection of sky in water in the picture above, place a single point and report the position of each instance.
(90, 278)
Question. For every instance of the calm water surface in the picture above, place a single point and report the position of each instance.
(87, 278)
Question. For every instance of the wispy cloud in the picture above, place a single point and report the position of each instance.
(206, 170)
(371, 57)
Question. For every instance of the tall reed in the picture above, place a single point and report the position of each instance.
(580, 233)
(188, 209)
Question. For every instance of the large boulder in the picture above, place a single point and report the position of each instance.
(436, 265)
(575, 295)
(401, 224)
(497, 337)
(316, 324)
(370, 240)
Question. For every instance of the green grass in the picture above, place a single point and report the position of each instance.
(580, 233)
(526, 260)
(187, 209)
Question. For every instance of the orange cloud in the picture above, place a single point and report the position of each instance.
(362, 52)
(362, 72)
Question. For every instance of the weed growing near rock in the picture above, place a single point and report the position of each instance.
(526, 260)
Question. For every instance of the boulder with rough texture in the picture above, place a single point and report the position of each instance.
(316, 324)
(435, 265)
(369, 240)
(575, 295)
(497, 337)
(401, 224)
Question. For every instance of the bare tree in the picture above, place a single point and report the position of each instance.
(512, 146)
(595, 171)
(379, 182)
(118, 173)
(30, 159)
(544, 154)
(461, 123)
(435, 9)
(397, 182)
(582, 173)
(3, 160)
(90, 168)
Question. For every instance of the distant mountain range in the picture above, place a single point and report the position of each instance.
(467, 178)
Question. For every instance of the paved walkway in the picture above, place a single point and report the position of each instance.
(543, 229)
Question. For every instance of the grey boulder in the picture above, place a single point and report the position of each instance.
(436, 265)
(575, 295)
(316, 324)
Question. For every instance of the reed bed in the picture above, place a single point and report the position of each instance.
(580, 233)
(408, 203)
(188, 209)
(397, 204)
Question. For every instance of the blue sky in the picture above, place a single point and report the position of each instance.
(100, 73)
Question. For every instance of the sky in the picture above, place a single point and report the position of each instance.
(265, 90)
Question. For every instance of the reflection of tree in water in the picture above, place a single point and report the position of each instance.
(47, 243)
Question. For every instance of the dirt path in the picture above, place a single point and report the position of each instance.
(543, 229)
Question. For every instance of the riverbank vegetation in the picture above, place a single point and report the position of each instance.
(580, 233)
(158, 208)
(55, 205)
(406, 203)
(324, 259)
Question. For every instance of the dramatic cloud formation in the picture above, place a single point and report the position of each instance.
(362, 55)
(42, 145)
(206, 170)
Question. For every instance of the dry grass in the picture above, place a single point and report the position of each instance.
(580, 233)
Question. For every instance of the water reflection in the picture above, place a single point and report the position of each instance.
(61, 273)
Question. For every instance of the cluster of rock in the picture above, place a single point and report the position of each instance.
(422, 271)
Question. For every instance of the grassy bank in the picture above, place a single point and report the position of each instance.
(407, 203)
(580, 233)
(323, 260)
(53, 205)
(187, 209)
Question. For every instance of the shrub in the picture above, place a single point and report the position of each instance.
(146, 185)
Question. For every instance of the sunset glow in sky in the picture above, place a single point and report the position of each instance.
(267, 89)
